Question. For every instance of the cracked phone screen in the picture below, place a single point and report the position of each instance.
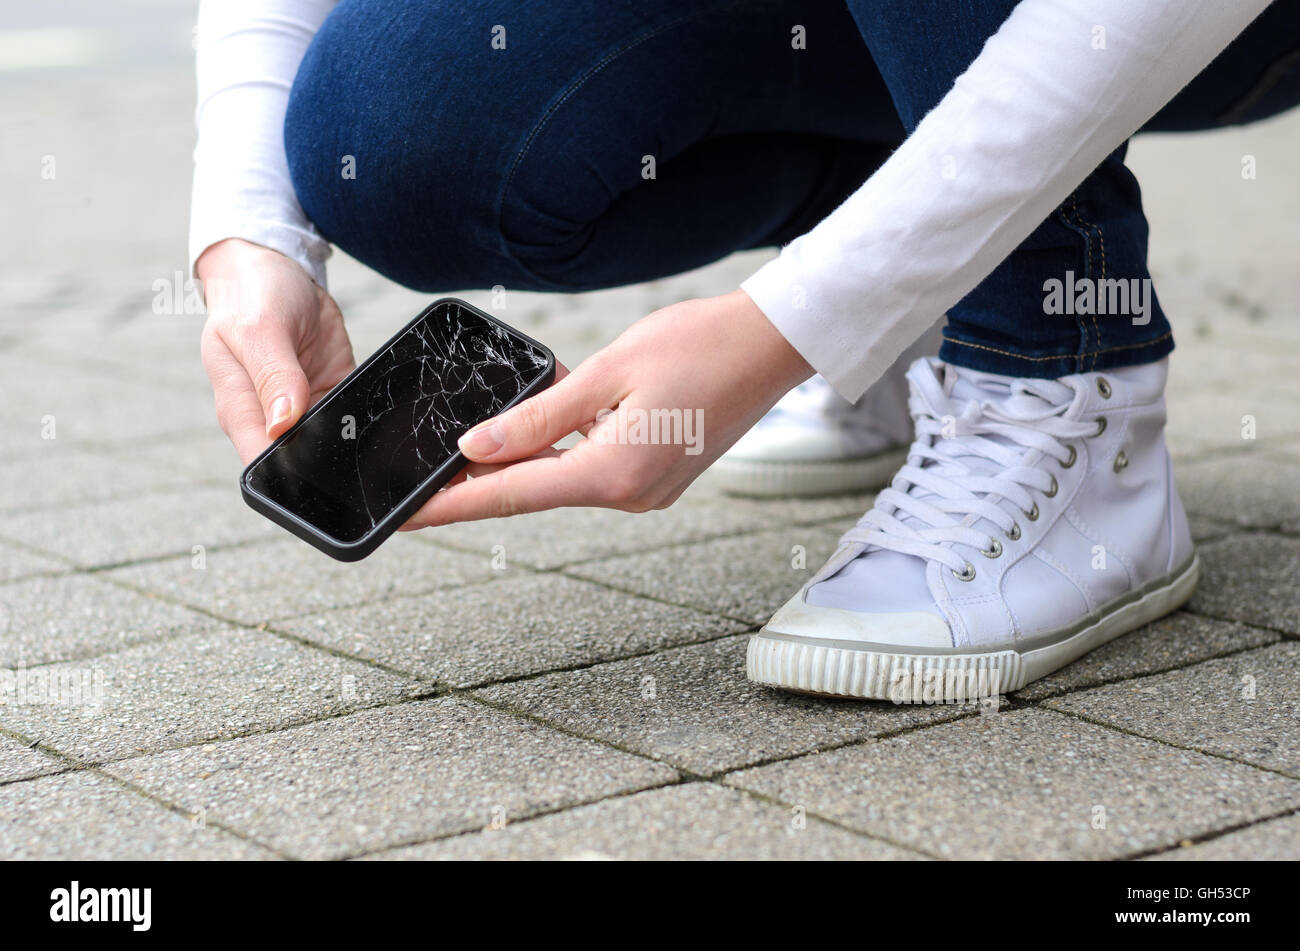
(379, 437)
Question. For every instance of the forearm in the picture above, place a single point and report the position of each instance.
(248, 53)
(1036, 112)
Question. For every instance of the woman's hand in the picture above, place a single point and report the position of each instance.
(274, 342)
(658, 405)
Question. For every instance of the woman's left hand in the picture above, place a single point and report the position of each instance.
(657, 406)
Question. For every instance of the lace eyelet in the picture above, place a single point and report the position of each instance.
(1103, 387)
(967, 574)
(994, 549)
(1014, 534)
(1121, 461)
(1101, 426)
(1051, 493)
(1069, 462)
(1032, 514)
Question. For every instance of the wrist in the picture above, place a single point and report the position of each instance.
(241, 277)
(230, 253)
(776, 358)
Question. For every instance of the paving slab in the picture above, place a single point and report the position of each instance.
(44, 480)
(149, 526)
(19, 761)
(1251, 578)
(509, 628)
(214, 685)
(1277, 840)
(207, 456)
(692, 707)
(86, 817)
(63, 617)
(691, 822)
(253, 584)
(128, 336)
(18, 563)
(390, 776)
(1178, 640)
(1209, 365)
(568, 536)
(1206, 529)
(1246, 707)
(1268, 499)
(746, 577)
(87, 407)
(1021, 784)
(1206, 422)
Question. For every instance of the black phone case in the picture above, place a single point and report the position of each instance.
(355, 551)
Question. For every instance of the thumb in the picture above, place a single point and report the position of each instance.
(538, 422)
(270, 358)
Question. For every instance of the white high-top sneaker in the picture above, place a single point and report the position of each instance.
(1033, 521)
(815, 442)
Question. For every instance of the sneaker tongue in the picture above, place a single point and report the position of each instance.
(888, 580)
(970, 387)
(966, 386)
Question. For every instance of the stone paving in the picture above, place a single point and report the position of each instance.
(189, 682)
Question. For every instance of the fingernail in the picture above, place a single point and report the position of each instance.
(280, 410)
(483, 440)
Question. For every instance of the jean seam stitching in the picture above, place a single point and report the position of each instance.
(1079, 322)
(1101, 241)
(564, 97)
(1062, 356)
(1082, 229)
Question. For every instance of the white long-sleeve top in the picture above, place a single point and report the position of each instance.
(247, 54)
(1057, 88)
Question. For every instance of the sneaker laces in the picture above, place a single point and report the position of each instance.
(973, 447)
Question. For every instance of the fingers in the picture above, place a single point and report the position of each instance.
(267, 350)
(475, 470)
(262, 310)
(414, 524)
(238, 409)
(545, 482)
(542, 420)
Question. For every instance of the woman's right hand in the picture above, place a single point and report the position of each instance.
(274, 342)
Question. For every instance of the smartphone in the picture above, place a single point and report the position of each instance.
(366, 457)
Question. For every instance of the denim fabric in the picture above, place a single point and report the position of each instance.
(613, 141)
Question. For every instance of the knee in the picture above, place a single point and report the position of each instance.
(440, 164)
(383, 157)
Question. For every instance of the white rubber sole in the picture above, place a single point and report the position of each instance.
(805, 479)
(814, 666)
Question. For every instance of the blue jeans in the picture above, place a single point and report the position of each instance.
(613, 141)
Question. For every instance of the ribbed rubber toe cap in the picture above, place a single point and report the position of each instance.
(920, 631)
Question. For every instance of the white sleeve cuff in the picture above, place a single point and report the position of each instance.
(1041, 107)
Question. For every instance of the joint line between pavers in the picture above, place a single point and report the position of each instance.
(1282, 632)
(1210, 836)
(1169, 743)
(524, 819)
(1125, 678)
(860, 833)
(178, 810)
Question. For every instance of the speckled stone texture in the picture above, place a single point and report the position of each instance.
(570, 684)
